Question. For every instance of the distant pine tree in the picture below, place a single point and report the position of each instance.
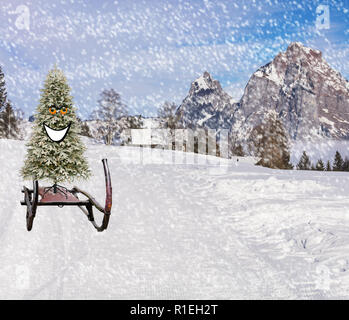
(286, 161)
(109, 115)
(169, 120)
(304, 162)
(345, 166)
(238, 151)
(134, 122)
(338, 162)
(84, 128)
(3, 93)
(328, 166)
(320, 165)
(9, 123)
(126, 124)
(9, 118)
(269, 142)
(167, 113)
(234, 141)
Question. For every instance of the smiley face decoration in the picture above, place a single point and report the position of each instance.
(55, 151)
(57, 135)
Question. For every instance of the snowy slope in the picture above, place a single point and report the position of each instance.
(180, 231)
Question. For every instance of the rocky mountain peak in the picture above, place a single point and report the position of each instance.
(309, 95)
(297, 50)
(204, 85)
(297, 60)
(205, 100)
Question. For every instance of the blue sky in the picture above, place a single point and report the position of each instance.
(150, 51)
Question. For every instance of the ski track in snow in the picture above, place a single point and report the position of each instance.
(179, 232)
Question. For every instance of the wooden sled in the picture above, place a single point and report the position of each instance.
(60, 196)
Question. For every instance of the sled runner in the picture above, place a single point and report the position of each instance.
(60, 196)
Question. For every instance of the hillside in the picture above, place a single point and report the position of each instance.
(195, 231)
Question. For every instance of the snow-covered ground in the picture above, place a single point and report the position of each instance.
(222, 230)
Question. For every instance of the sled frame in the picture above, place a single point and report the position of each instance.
(31, 201)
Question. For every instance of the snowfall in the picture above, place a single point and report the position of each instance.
(183, 226)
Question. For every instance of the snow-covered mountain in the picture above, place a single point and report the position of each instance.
(206, 105)
(310, 97)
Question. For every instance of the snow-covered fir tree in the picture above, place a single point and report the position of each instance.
(47, 159)
(328, 166)
(10, 122)
(345, 166)
(134, 122)
(127, 123)
(269, 142)
(338, 162)
(167, 113)
(320, 165)
(3, 92)
(235, 139)
(109, 114)
(169, 119)
(85, 129)
(304, 162)
(237, 150)
(10, 119)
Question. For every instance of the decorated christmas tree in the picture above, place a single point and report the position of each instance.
(55, 151)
